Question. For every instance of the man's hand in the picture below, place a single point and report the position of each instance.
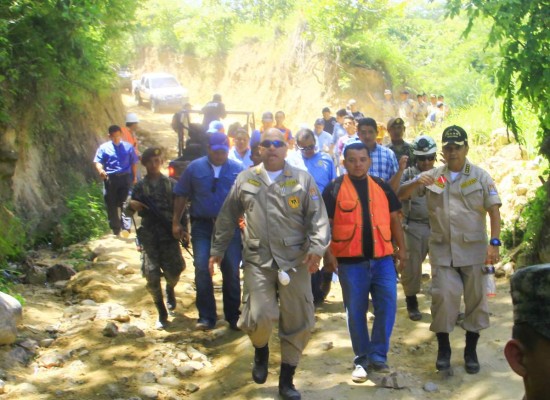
(493, 256)
(179, 233)
(214, 260)
(402, 259)
(138, 205)
(330, 263)
(312, 262)
(425, 180)
(403, 162)
(103, 175)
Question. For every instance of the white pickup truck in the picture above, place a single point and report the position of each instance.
(161, 91)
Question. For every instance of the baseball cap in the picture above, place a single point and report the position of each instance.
(215, 126)
(395, 121)
(454, 134)
(218, 141)
(387, 91)
(405, 91)
(132, 118)
(267, 116)
(530, 289)
(319, 121)
(150, 153)
(352, 101)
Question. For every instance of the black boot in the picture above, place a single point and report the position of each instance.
(412, 308)
(443, 352)
(471, 363)
(163, 314)
(170, 297)
(286, 387)
(261, 358)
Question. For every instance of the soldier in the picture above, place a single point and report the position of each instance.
(459, 197)
(416, 224)
(286, 234)
(389, 106)
(396, 129)
(152, 198)
(206, 183)
(528, 352)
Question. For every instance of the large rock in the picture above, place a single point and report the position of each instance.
(11, 313)
(60, 272)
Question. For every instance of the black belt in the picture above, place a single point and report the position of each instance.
(121, 174)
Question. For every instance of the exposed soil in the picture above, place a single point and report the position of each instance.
(98, 367)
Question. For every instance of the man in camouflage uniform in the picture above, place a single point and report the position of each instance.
(396, 130)
(152, 198)
(528, 352)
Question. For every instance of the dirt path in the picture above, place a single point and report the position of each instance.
(92, 366)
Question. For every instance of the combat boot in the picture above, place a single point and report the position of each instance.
(261, 358)
(443, 352)
(471, 364)
(170, 297)
(286, 386)
(163, 314)
(412, 308)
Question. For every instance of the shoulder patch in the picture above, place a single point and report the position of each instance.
(313, 194)
(492, 189)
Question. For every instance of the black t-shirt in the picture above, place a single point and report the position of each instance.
(362, 188)
(329, 125)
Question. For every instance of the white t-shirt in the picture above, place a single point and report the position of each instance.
(454, 175)
(217, 169)
(274, 174)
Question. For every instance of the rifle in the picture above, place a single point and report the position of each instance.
(152, 208)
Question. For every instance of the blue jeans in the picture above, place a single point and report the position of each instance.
(378, 278)
(201, 237)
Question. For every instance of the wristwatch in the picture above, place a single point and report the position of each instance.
(495, 242)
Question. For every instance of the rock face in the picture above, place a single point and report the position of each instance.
(11, 313)
(60, 272)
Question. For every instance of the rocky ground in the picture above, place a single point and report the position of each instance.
(93, 336)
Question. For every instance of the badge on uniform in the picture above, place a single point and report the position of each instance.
(294, 201)
(313, 194)
(492, 190)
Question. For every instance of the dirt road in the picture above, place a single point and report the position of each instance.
(93, 366)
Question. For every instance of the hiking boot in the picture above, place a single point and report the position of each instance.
(471, 364)
(170, 298)
(378, 366)
(259, 369)
(163, 314)
(443, 352)
(359, 375)
(412, 308)
(287, 391)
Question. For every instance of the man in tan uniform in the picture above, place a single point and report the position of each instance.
(459, 196)
(285, 235)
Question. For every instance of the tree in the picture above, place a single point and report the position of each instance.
(520, 29)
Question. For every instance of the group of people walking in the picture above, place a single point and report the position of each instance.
(342, 201)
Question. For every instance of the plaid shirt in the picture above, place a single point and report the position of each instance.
(384, 164)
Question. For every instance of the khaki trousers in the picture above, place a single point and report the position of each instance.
(294, 309)
(417, 236)
(448, 284)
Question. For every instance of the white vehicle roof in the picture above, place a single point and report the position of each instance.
(158, 75)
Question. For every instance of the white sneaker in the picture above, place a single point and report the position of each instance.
(359, 374)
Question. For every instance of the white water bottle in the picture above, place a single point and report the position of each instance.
(490, 284)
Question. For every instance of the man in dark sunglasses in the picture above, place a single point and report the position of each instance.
(416, 224)
(285, 235)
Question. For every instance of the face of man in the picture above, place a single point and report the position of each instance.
(267, 124)
(367, 134)
(455, 156)
(318, 129)
(217, 157)
(396, 132)
(279, 119)
(340, 120)
(357, 163)
(353, 107)
(307, 146)
(426, 162)
(241, 142)
(349, 126)
(116, 137)
(387, 96)
(153, 165)
(403, 96)
(326, 115)
(273, 157)
(433, 100)
(134, 127)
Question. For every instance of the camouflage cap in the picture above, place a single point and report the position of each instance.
(530, 289)
(150, 153)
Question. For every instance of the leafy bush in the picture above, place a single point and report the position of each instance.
(13, 239)
(86, 217)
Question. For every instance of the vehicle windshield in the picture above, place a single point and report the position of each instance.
(160, 83)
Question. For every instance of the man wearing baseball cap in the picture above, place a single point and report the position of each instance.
(459, 196)
(396, 129)
(389, 106)
(528, 352)
(205, 183)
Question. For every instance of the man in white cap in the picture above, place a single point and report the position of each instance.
(353, 111)
(389, 106)
(130, 130)
(215, 127)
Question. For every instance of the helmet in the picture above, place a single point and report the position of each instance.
(132, 118)
(424, 145)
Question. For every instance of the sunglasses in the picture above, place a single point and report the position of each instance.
(275, 143)
(306, 148)
(425, 158)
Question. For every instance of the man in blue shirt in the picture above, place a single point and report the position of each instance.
(241, 151)
(323, 139)
(116, 163)
(321, 168)
(205, 184)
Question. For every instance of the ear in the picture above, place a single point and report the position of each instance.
(514, 351)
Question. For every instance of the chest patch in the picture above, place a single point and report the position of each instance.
(294, 201)
(469, 182)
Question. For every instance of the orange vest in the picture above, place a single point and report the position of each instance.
(128, 137)
(347, 226)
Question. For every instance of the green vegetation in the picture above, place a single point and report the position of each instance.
(85, 217)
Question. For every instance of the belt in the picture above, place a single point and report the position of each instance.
(121, 174)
